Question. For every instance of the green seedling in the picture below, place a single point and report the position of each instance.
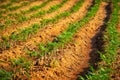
(8, 22)
(21, 18)
(68, 34)
(44, 22)
(111, 38)
(5, 75)
(21, 62)
(5, 5)
(34, 8)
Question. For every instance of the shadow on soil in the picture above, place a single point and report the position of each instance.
(97, 43)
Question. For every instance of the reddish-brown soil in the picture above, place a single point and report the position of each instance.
(4, 2)
(17, 51)
(47, 33)
(2, 20)
(18, 27)
(66, 63)
(23, 8)
(47, 7)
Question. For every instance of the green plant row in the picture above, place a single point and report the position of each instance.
(22, 12)
(19, 18)
(5, 5)
(34, 8)
(16, 1)
(52, 9)
(35, 27)
(16, 66)
(5, 40)
(14, 8)
(67, 35)
(8, 21)
(17, 7)
(112, 44)
(5, 75)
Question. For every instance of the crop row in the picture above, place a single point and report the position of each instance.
(33, 8)
(111, 37)
(13, 8)
(10, 3)
(5, 5)
(14, 36)
(15, 69)
(66, 36)
(21, 63)
(35, 27)
(19, 18)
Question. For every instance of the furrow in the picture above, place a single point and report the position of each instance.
(47, 7)
(20, 26)
(19, 50)
(49, 32)
(9, 14)
(67, 62)
(15, 8)
(32, 41)
(27, 32)
(4, 3)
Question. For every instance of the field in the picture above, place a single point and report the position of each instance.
(59, 39)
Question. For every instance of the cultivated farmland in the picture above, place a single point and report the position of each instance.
(59, 39)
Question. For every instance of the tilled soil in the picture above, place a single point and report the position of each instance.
(4, 2)
(67, 62)
(17, 51)
(18, 27)
(47, 33)
(47, 7)
(23, 8)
